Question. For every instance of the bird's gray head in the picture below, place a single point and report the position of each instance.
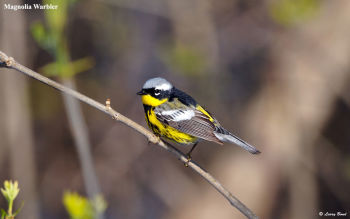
(157, 84)
(156, 87)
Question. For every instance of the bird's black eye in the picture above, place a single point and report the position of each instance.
(156, 92)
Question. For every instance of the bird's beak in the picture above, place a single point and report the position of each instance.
(141, 92)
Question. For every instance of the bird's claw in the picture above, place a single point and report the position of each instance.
(189, 158)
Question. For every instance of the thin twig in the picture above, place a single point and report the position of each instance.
(9, 62)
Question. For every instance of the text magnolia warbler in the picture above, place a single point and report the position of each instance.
(173, 114)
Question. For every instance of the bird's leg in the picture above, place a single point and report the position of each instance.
(189, 158)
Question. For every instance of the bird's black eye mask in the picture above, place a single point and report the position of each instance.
(156, 93)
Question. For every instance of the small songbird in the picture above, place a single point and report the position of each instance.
(173, 114)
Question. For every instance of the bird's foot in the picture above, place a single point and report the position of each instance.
(189, 158)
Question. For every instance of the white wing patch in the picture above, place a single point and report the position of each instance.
(178, 115)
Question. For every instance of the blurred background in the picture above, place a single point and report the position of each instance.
(274, 72)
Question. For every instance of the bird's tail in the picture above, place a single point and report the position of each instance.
(226, 136)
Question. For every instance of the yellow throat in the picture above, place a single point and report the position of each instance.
(151, 101)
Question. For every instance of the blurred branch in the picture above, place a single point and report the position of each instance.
(52, 39)
(80, 135)
(9, 62)
(18, 150)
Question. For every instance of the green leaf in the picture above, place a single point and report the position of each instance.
(77, 206)
(10, 190)
(82, 65)
(56, 19)
(68, 70)
(43, 37)
(38, 32)
(51, 69)
(291, 12)
(3, 213)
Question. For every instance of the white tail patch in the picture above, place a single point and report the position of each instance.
(237, 141)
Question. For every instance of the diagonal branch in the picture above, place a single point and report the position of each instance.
(9, 62)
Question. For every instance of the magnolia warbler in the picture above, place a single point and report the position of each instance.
(173, 114)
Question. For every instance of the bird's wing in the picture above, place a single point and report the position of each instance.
(186, 119)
